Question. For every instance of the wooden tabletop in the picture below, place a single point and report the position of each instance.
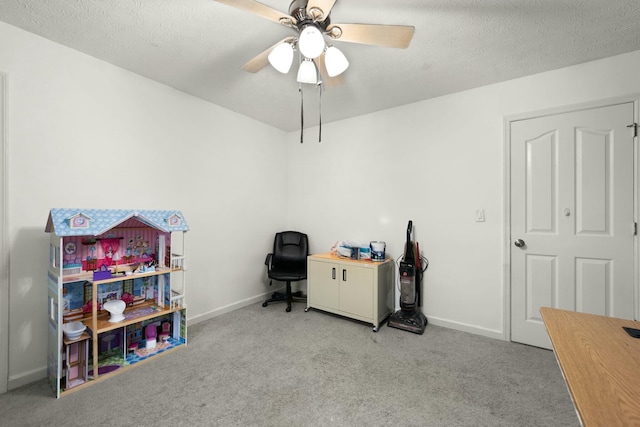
(600, 363)
(333, 257)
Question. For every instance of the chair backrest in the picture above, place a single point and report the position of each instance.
(150, 331)
(290, 250)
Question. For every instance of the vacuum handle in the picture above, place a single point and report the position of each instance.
(408, 250)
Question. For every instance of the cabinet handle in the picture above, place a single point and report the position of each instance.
(344, 274)
(333, 273)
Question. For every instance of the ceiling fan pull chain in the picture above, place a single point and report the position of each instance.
(320, 114)
(301, 112)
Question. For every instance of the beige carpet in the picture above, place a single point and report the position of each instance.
(265, 367)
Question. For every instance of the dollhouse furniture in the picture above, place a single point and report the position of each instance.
(150, 333)
(91, 264)
(73, 330)
(287, 263)
(133, 345)
(166, 329)
(115, 307)
(108, 341)
(76, 359)
(138, 299)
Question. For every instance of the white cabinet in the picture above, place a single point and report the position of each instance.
(361, 290)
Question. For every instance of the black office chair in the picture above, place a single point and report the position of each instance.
(287, 263)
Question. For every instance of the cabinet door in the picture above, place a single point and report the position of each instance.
(323, 284)
(356, 290)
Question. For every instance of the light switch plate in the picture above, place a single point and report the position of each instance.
(479, 215)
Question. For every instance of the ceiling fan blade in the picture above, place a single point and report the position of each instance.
(262, 59)
(326, 80)
(259, 9)
(379, 35)
(324, 6)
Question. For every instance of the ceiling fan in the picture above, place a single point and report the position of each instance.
(310, 19)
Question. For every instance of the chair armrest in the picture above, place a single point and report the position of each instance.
(267, 261)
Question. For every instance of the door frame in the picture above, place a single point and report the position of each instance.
(506, 241)
(4, 245)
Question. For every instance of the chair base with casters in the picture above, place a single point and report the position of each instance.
(287, 297)
(287, 263)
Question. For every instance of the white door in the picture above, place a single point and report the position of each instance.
(572, 220)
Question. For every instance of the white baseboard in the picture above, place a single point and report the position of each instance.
(37, 374)
(231, 307)
(491, 333)
(27, 378)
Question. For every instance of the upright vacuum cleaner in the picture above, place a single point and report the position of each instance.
(409, 317)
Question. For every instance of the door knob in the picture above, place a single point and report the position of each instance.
(519, 243)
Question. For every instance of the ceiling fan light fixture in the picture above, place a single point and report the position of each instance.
(311, 41)
(287, 22)
(316, 13)
(281, 57)
(307, 72)
(335, 32)
(335, 61)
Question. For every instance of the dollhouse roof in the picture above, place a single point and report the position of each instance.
(99, 221)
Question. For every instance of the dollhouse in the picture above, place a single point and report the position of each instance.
(116, 289)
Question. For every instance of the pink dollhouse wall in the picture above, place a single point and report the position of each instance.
(131, 246)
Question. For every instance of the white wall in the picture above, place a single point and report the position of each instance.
(83, 133)
(436, 162)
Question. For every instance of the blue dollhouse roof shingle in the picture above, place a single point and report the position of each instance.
(102, 220)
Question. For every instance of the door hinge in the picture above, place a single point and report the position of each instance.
(635, 228)
(635, 129)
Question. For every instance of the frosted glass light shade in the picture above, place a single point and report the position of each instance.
(311, 42)
(307, 72)
(335, 61)
(281, 57)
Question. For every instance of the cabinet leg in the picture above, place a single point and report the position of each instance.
(376, 328)
(306, 310)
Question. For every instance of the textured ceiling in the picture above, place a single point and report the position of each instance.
(198, 47)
